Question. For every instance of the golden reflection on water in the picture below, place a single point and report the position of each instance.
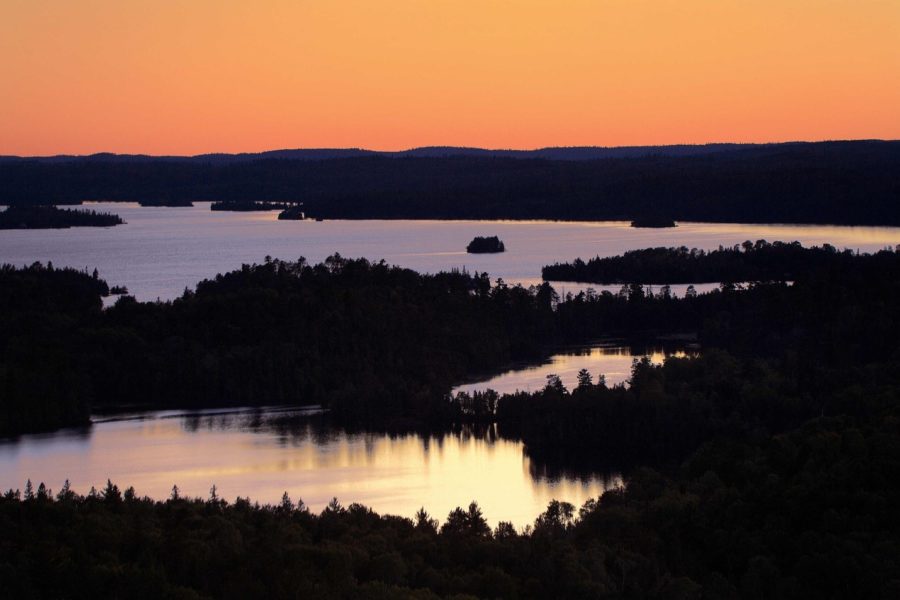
(394, 475)
(614, 362)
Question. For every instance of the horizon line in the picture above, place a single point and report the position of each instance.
(447, 147)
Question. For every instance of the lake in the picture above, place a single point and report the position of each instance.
(611, 360)
(263, 453)
(161, 251)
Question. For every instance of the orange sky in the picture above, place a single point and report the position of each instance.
(191, 76)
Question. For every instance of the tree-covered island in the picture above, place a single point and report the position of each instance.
(51, 217)
(485, 245)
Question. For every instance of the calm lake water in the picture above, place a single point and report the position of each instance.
(163, 250)
(255, 453)
(610, 360)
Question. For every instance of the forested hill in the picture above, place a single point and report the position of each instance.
(751, 261)
(550, 153)
(369, 341)
(827, 182)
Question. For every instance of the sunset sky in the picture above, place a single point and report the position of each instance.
(192, 76)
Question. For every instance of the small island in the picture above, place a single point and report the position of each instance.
(169, 202)
(50, 217)
(293, 213)
(653, 222)
(485, 245)
(250, 206)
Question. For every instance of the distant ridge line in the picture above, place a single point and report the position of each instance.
(566, 153)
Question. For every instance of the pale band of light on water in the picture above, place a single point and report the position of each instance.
(161, 251)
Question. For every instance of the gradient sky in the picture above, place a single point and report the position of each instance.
(192, 76)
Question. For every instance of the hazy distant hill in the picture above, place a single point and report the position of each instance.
(555, 153)
(825, 182)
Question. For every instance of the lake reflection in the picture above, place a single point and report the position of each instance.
(262, 453)
(612, 361)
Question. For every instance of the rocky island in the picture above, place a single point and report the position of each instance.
(485, 245)
(292, 213)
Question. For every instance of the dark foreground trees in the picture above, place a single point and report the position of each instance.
(806, 514)
(369, 341)
(776, 451)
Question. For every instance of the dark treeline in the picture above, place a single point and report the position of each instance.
(38, 373)
(653, 222)
(773, 357)
(751, 261)
(375, 343)
(777, 449)
(51, 217)
(166, 199)
(249, 206)
(828, 182)
(369, 341)
(806, 514)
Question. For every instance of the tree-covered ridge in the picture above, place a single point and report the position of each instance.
(369, 341)
(41, 311)
(51, 217)
(828, 182)
(381, 344)
(750, 261)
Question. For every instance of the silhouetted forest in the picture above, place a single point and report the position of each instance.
(369, 341)
(248, 206)
(773, 357)
(51, 217)
(380, 344)
(750, 261)
(775, 452)
(810, 513)
(827, 182)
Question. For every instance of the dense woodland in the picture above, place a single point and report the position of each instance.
(51, 217)
(766, 467)
(369, 341)
(750, 261)
(828, 182)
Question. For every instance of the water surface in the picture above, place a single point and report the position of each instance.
(263, 453)
(161, 250)
(610, 360)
